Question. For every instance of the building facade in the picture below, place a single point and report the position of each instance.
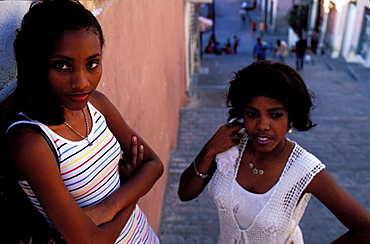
(345, 30)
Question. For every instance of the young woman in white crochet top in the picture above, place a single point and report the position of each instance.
(261, 181)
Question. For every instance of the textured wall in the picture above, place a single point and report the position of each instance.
(11, 13)
(144, 75)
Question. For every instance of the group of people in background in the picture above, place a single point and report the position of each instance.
(217, 48)
(281, 50)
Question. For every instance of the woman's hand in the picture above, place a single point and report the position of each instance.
(226, 137)
(128, 164)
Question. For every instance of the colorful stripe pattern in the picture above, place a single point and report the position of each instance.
(90, 173)
(137, 230)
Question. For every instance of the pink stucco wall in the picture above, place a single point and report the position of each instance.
(144, 75)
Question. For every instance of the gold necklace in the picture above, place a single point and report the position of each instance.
(87, 129)
(262, 171)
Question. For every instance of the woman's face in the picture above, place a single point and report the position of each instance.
(75, 68)
(266, 123)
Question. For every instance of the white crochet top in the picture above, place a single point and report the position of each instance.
(278, 219)
(246, 204)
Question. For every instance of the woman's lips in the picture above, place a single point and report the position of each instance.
(263, 140)
(79, 97)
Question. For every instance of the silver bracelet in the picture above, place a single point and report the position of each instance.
(200, 175)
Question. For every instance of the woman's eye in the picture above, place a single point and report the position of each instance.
(60, 65)
(251, 114)
(92, 65)
(276, 115)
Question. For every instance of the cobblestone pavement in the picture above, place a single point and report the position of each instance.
(341, 138)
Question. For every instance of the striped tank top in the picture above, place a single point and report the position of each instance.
(90, 173)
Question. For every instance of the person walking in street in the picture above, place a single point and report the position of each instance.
(314, 40)
(243, 11)
(261, 181)
(236, 44)
(262, 28)
(254, 27)
(281, 50)
(259, 50)
(77, 160)
(300, 49)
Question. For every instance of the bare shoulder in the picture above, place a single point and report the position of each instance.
(323, 186)
(29, 151)
(344, 206)
(318, 180)
(24, 138)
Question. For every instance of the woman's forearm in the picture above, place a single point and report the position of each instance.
(108, 232)
(191, 184)
(137, 186)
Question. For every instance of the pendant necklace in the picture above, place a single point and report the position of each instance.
(87, 129)
(262, 171)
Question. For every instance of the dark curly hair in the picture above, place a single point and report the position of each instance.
(41, 26)
(274, 80)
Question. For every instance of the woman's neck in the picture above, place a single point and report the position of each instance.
(263, 158)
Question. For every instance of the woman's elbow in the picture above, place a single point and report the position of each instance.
(185, 195)
(159, 165)
(185, 198)
(160, 169)
(182, 197)
(157, 168)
